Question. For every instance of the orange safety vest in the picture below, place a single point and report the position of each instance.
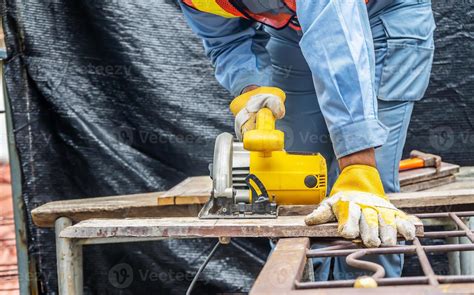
(285, 16)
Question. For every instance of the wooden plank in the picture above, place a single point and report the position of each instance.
(192, 190)
(284, 266)
(193, 227)
(422, 174)
(432, 198)
(409, 200)
(428, 184)
(136, 205)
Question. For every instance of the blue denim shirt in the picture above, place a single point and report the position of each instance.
(338, 46)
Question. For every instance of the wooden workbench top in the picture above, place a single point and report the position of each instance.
(192, 227)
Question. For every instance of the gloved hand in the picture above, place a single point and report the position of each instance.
(358, 202)
(245, 107)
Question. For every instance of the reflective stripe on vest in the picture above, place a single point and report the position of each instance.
(210, 6)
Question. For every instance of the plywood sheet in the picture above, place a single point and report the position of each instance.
(136, 205)
(193, 227)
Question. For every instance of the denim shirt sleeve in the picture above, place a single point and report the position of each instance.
(235, 48)
(337, 45)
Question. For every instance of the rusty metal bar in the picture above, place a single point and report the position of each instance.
(425, 263)
(353, 260)
(455, 279)
(386, 282)
(445, 234)
(349, 283)
(429, 278)
(444, 214)
(392, 250)
(338, 245)
(344, 252)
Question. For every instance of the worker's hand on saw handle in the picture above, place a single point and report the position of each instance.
(359, 204)
(245, 106)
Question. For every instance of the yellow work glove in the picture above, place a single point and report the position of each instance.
(358, 202)
(245, 107)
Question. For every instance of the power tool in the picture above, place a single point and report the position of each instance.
(252, 178)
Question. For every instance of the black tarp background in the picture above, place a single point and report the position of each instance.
(115, 97)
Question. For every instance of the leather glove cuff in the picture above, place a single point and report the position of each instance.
(360, 178)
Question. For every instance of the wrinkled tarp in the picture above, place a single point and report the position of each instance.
(117, 97)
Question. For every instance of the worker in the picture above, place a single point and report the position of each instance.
(351, 71)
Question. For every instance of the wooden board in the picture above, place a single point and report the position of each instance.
(136, 205)
(423, 174)
(192, 190)
(428, 184)
(284, 266)
(193, 227)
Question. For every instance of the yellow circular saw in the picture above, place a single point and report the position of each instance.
(251, 178)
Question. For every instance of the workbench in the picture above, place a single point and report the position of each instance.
(172, 214)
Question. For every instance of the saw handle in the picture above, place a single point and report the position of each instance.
(264, 138)
(265, 120)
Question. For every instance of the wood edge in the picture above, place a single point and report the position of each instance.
(169, 193)
(189, 200)
(165, 201)
(450, 169)
(428, 184)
